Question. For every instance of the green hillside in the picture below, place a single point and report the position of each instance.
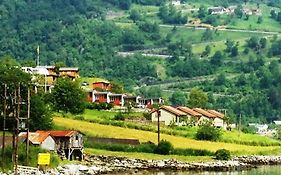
(240, 52)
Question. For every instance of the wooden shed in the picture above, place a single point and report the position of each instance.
(68, 143)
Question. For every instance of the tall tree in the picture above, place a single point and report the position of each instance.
(178, 98)
(197, 98)
(67, 96)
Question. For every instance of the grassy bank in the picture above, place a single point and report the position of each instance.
(148, 156)
(106, 118)
(93, 129)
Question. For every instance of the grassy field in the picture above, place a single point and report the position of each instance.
(105, 115)
(93, 129)
(189, 132)
(147, 156)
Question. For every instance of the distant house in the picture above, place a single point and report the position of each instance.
(116, 99)
(216, 120)
(102, 86)
(176, 2)
(100, 97)
(68, 143)
(150, 102)
(216, 10)
(277, 122)
(50, 75)
(71, 72)
(132, 99)
(193, 116)
(168, 115)
(41, 139)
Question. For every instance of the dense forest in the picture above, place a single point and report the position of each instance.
(246, 72)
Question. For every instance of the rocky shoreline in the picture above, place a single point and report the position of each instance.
(109, 164)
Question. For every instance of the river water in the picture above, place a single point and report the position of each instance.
(263, 170)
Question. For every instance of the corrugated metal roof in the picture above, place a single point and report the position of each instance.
(205, 113)
(189, 111)
(59, 133)
(216, 113)
(35, 137)
(173, 110)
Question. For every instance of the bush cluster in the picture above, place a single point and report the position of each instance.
(100, 106)
(208, 132)
(164, 148)
(222, 154)
(119, 116)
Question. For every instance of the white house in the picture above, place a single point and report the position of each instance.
(218, 121)
(169, 115)
(194, 118)
(44, 140)
(215, 117)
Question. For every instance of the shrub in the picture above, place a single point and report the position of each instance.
(119, 116)
(164, 148)
(208, 132)
(79, 117)
(192, 152)
(222, 154)
(147, 116)
(90, 106)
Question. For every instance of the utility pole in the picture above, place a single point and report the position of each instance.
(4, 125)
(240, 116)
(17, 130)
(38, 55)
(158, 124)
(27, 124)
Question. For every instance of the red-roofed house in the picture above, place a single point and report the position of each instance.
(102, 85)
(218, 121)
(42, 139)
(214, 118)
(68, 143)
(194, 118)
(169, 115)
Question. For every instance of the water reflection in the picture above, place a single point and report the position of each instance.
(263, 170)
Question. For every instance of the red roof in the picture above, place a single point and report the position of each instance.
(189, 111)
(35, 137)
(205, 113)
(216, 113)
(59, 133)
(173, 110)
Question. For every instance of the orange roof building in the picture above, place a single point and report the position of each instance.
(168, 115)
(216, 113)
(42, 139)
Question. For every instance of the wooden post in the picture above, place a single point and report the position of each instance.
(158, 124)
(27, 124)
(17, 130)
(4, 125)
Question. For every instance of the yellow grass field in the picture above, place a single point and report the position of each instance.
(93, 129)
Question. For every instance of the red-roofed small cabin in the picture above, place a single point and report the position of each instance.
(102, 85)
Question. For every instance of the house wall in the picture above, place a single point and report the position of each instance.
(165, 117)
(76, 141)
(101, 98)
(90, 97)
(218, 122)
(73, 74)
(202, 120)
(49, 144)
